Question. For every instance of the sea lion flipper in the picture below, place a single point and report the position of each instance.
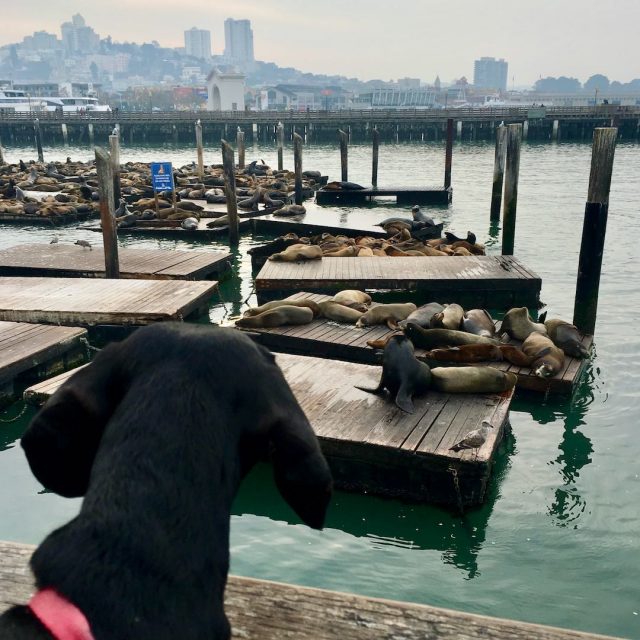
(378, 390)
(403, 400)
(393, 325)
(542, 317)
(504, 338)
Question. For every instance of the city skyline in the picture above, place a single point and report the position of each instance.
(355, 41)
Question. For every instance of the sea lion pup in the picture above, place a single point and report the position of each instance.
(274, 304)
(472, 380)
(547, 359)
(422, 315)
(389, 314)
(339, 312)
(297, 252)
(353, 298)
(449, 318)
(567, 337)
(518, 324)
(479, 322)
(434, 338)
(278, 317)
(403, 375)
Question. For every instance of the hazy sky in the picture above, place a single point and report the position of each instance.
(375, 39)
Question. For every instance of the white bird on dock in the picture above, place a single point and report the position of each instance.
(84, 244)
(54, 240)
(474, 439)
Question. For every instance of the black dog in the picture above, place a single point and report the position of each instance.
(156, 434)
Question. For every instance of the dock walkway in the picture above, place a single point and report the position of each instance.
(493, 282)
(374, 447)
(403, 195)
(88, 301)
(259, 609)
(68, 260)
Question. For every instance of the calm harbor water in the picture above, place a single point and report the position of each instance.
(558, 539)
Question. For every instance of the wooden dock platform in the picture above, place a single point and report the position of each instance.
(68, 260)
(30, 352)
(313, 224)
(257, 611)
(88, 301)
(328, 339)
(374, 447)
(172, 229)
(403, 195)
(492, 282)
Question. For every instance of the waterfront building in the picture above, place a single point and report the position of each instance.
(489, 73)
(225, 91)
(238, 40)
(197, 43)
(77, 37)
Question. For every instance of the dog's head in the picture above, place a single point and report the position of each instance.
(234, 383)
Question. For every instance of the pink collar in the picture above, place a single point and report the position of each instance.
(61, 618)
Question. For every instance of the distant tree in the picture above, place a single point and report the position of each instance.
(558, 85)
(598, 81)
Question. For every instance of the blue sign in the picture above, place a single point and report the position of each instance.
(162, 176)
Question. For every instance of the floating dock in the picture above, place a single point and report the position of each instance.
(68, 260)
(172, 229)
(492, 282)
(257, 609)
(374, 447)
(329, 339)
(311, 224)
(403, 195)
(88, 301)
(30, 352)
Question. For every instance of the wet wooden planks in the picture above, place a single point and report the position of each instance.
(314, 223)
(168, 228)
(259, 609)
(82, 301)
(329, 339)
(68, 260)
(403, 195)
(485, 281)
(373, 446)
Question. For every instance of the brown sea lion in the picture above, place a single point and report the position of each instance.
(547, 359)
(339, 312)
(479, 322)
(345, 252)
(388, 314)
(434, 338)
(515, 356)
(422, 315)
(567, 337)
(278, 317)
(365, 252)
(297, 252)
(449, 318)
(472, 380)
(353, 298)
(274, 304)
(467, 353)
(518, 324)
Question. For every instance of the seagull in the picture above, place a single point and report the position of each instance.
(83, 243)
(19, 194)
(54, 240)
(474, 439)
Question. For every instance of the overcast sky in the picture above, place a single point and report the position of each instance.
(377, 39)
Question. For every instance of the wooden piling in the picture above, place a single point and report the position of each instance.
(448, 157)
(38, 136)
(374, 169)
(297, 166)
(344, 150)
(280, 138)
(554, 130)
(199, 149)
(1, 154)
(114, 145)
(594, 229)
(90, 132)
(65, 133)
(240, 145)
(498, 172)
(514, 138)
(228, 164)
(104, 169)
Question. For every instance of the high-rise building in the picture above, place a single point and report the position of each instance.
(197, 43)
(77, 37)
(489, 73)
(238, 40)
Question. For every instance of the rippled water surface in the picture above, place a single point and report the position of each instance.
(557, 542)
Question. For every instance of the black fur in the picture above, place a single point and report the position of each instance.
(156, 434)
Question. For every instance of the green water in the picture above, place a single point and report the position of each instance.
(557, 541)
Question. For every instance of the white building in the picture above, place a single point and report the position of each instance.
(489, 73)
(238, 40)
(225, 91)
(197, 43)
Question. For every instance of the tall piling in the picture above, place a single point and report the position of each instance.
(240, 145)
(448, 156)
(594, 229)
(65, 133)
(280, 138)
(38, 136)
(297, 165)
(344, 151)
(104, 169)
(514, 139)
(1, 154)
(374, 167)
(498, 172)
(199, 149)
(228, 164)
(114, 145)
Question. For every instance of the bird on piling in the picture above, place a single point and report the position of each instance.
(474, 439)
(83, 243)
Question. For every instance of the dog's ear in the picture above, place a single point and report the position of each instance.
(301, 472)
(62, 440)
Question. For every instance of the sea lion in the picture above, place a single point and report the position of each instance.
(434, 338)
(290, 210)
(567, 337)
(472, 380)
(297, 252)
(189, 224)
(452, 237)
(222, 221)
(479, 322)
(345, 252)
(422, 315)
(547, 359)
(403, 375)
(339, 312)
(449, 318)
(342, 186)
(278, 317)
(365, 252)
(518, 324)
(353, 298)
(388, 314)
(418, 216)
(274, 304)
(467, 353)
